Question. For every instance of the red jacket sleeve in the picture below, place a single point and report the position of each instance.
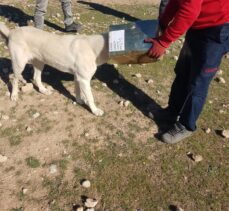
(178, 17)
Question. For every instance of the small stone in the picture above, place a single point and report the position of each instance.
(197, 158)
(175, 58)
(90, 209)
(150, 81)
(138, 75)
(225, 133)
(53, 169)
(86, 134)
(7, 94)
(24, 190)
(28, 129)
(208, 130)
(58, 15)
(179, 209)
(167, 51)
(93, 18)
(79, 209)
(104, 84)
(210, 101)
(220, 80)
(27, 88)
(86, 184)
(220, 72)
(3, 158)
(36, 115)
(90, 203)
(126, 103)
(121, 103)
(5, 117)
(74, 102)
(129, 65)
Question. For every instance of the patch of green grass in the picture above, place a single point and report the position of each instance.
(32, 162)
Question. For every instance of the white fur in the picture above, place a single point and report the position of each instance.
(76, 54)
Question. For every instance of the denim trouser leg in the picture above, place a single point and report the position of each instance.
(179, 90)
(207, 48)
(40, 10)
(67, 10)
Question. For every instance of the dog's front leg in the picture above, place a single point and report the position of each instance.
(38, 67)
(85, 90)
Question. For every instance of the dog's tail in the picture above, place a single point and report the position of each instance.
(4, 31)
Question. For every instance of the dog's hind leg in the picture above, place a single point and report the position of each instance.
(77, 91)
(18, 63)
(85, 90)
(38, 67)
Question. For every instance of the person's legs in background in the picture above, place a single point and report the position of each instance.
(40, 10)
(70, 25)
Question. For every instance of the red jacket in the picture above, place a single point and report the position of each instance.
(180, 15)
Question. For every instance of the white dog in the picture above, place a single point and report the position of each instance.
(76, 54)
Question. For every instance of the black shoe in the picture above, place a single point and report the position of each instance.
(176, 133)
(164, 115)
(74, 27)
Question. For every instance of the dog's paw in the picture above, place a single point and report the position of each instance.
(14, 97)
(98, 112)
(45, 91)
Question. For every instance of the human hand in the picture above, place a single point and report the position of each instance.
(156, 50)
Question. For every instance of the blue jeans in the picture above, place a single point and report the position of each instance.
(198, 62)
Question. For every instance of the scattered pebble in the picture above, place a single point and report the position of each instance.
(28, 129)
(196, 158)
(24, 190)
(74, 102)
(220, 80)
(53, 169)
(126, 103)
(3, 158)
(150, 81)
(225, 133)
(79, 209)
(220, 72)
(137, 75)
(90, 209)
(58, 15)
(167, 51)
(90, 203)
(175, 58)
(5, 117)
(104, 84)
(86, 183)
(208, 130)
(36, 115)
(121, 103)
(115, 65)
(129, 65)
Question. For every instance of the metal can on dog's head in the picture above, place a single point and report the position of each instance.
(126, 42)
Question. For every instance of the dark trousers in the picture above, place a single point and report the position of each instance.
(198, 62)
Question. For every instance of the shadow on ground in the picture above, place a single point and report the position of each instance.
(105, 73)
(109, 11)
(19, 17)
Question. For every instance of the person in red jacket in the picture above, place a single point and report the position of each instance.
(206, 24)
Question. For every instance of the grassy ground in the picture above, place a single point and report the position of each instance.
(128, 167)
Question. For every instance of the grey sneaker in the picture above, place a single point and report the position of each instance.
(74, 27)
(175, 134)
